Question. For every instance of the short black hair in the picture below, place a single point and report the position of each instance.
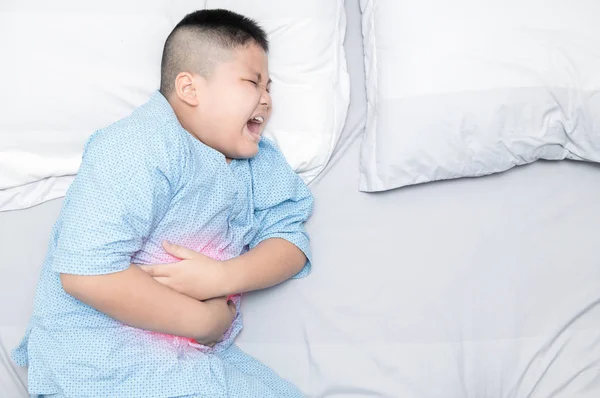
(192, 44)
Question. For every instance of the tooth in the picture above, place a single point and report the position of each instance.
(260, 119)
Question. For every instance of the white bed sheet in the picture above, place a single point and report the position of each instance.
(485, 287)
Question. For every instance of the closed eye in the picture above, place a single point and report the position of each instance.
(268, 88)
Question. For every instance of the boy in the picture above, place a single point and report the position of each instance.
(190, 167)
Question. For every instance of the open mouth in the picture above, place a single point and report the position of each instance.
(254, 125)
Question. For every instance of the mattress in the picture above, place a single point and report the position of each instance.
(486, 287)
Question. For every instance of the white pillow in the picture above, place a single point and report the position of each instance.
(73, 67)
(467, 88)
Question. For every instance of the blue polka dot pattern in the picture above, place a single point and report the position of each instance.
(142, 180)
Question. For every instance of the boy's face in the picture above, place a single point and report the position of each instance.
(234, 103)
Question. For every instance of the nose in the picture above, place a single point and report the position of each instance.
(265, 98)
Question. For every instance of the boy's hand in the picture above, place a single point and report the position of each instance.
(224, 311)
(196, 275)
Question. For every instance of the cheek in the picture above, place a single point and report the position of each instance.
(237, 104)
(222, 114)
(228, 109)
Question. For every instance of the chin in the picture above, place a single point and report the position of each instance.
(247, 152)
(252, 153)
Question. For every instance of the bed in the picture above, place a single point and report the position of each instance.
(476, 287)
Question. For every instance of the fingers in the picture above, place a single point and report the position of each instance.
(216, 301)
(232, 312)
(180, 252)
(157, 269)
(163, 280)
(146, 268)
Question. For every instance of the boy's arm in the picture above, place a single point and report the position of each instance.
(150, 305)
(271, 262)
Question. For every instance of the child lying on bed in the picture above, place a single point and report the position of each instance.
(189, 166)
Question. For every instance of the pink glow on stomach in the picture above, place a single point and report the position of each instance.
(170, 337)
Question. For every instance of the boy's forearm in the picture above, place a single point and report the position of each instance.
(134, 298)
(269, 263)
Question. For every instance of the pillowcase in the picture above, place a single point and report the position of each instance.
(468, 88)
(77, 66)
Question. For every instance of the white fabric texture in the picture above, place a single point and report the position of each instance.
(78, 66)
(468, 88)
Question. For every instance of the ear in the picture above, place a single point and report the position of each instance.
(186, 88)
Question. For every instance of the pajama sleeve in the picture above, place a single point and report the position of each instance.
(121, 192)
(282, 201)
